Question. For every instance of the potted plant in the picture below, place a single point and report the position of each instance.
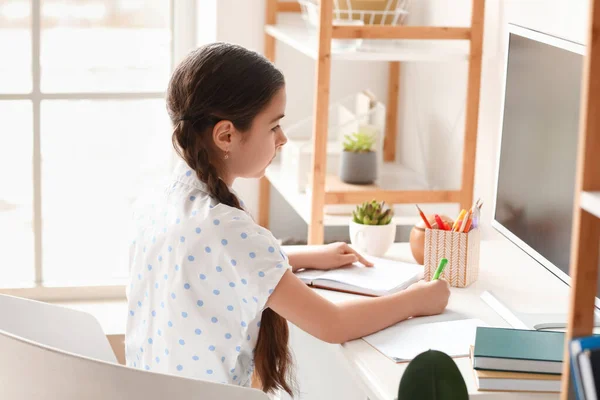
(432, 375)
(358, 160)
(371, 228)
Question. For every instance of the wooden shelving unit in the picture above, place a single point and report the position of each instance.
(418, 44)
(585, 243)
(300, 202)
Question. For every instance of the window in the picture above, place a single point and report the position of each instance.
(83, 127)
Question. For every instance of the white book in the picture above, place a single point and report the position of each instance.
(385, 277)
(515, 381)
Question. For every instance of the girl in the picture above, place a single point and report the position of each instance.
(211, 290)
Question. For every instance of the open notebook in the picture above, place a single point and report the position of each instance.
(385, 277)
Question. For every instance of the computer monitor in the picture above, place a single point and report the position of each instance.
(533, 205)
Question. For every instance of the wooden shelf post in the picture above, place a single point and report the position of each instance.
(472, 107)
(391, 117)
(264, 187)
(316, 228)
(585, 240)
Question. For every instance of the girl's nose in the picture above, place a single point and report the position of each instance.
(282, 139)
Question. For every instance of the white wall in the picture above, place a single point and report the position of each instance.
(432, 96)
(565, 19)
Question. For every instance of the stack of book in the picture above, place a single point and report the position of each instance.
(518, 360)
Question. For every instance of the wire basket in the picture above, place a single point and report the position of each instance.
(390, 12)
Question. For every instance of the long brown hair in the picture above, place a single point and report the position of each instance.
(217, 82)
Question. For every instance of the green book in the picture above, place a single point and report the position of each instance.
(518, 350)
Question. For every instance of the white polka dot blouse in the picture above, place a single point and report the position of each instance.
(200, 275)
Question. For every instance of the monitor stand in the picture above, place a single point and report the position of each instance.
(529, 321)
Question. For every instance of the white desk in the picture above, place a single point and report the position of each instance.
(510, 274)
(504, 270)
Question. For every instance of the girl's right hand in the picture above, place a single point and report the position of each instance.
(431, 298)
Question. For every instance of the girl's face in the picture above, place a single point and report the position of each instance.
(250, 153)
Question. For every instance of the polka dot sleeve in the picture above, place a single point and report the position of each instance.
(257, 259)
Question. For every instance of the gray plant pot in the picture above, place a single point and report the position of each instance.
(358, 168)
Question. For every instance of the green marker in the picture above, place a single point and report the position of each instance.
(440, 268)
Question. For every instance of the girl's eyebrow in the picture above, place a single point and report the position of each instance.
(279, 117)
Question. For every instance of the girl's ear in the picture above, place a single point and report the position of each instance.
(222, 135)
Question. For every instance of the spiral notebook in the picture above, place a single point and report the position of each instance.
(385, 277)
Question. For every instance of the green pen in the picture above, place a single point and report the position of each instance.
(440, 268)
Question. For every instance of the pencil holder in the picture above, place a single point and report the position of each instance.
(461, 250)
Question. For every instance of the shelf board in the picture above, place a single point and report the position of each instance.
(396, 185)
(590, 202)
(294, 32)
(339, 215)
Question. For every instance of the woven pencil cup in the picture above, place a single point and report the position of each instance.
(461, 250)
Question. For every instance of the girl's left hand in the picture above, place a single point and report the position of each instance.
(335, 255)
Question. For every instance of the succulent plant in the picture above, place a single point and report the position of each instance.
(372, 213)
(432, 375)
(359, 142)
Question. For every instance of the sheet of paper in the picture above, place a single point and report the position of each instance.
(384, 276)
(403, 342)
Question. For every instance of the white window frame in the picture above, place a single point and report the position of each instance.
(183, 30)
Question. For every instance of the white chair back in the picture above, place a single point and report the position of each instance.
(32, 371)
(55, 326)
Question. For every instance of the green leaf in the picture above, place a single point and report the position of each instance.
(432, 375)
(361, 215)
(387, 213)
(387, 220)
(359, 142)
(357, 216)
(377, 214)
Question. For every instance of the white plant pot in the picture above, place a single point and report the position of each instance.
(374, 240)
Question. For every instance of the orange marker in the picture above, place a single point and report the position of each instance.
(427, 224)
(468, 226)
(463, 224)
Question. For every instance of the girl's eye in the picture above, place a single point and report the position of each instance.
(275, 128)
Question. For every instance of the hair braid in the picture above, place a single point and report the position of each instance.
(208, 174)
